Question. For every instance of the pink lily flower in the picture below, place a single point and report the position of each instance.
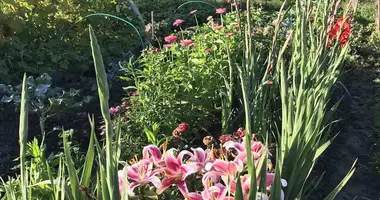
(153, 153)
(142, 173)
(176, 172)
(257, 149)
(216, 192)
(199, 156)
(178, 22)
(226, 170)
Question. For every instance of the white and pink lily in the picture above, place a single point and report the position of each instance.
(142, 173)
(216, 192)
(226, 170)
(176, 172)
(199, 156)
(257, 149)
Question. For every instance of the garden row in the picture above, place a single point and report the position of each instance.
(254, 90)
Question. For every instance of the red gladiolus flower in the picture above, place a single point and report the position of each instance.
(229, 34)
(343, 28)
(221, 10)
(182, 127)
(187, 43)
(178, 22)
(170, 38)
(193, 11)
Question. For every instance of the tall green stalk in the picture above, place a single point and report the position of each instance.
(23, 137)
(103, 90)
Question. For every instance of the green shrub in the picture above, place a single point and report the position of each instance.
(31, 32)
(188, 84)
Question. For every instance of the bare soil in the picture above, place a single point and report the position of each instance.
(355, 141)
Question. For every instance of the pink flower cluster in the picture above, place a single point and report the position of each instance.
(218, 176)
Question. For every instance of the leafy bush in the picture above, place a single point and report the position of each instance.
(180, 83)
(31, 32)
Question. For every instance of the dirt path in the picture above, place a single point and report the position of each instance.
(354, 141)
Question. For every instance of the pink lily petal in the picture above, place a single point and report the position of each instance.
(193, 196)
(172, 164)
(234, 145)
(188, 169)
(132, 173)
(155, 153)
(166, 183)
(132, 186)
(199, 154)
(155, 181)
(182, 187)
(185, 153)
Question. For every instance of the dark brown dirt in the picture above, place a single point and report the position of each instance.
(355, 140)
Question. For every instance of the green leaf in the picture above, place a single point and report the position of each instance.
(73, 177)
(340, 186)
(239, 189)
(86, 174)
(23, 137)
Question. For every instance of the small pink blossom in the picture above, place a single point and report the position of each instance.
(217, 27)
(170, 39)
(239, 133)
(178, 22)
(114, 110)
(221, 10)
(182, 127)
(187, 43)
(229, 34)
(225, 138)
(193, 11)
(167, 46)
(134, 94)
